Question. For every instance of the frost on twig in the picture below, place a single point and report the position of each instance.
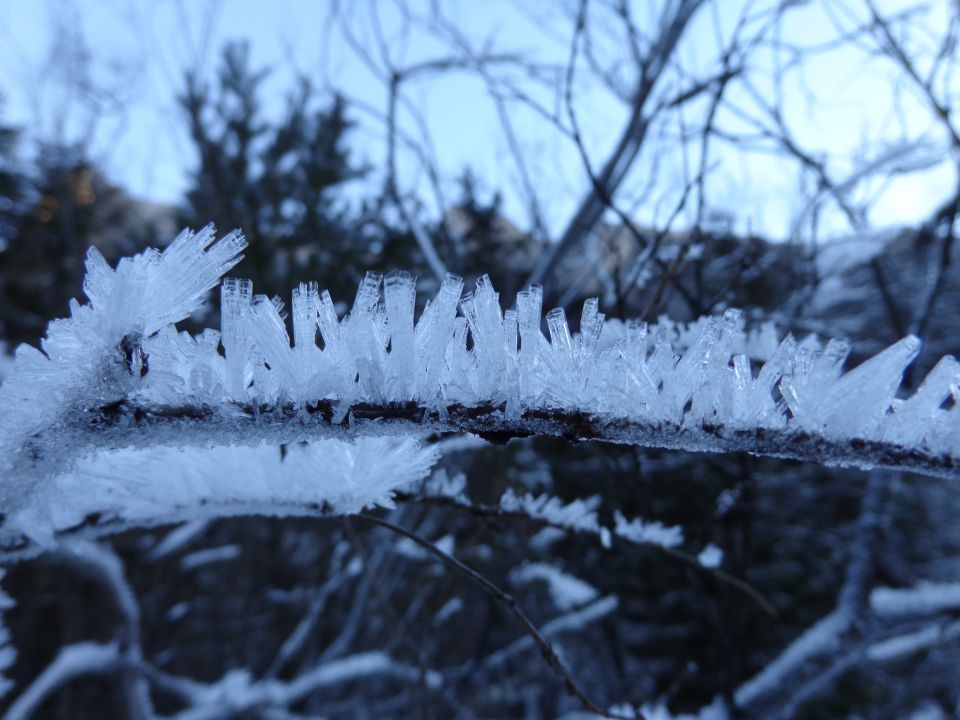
(578, 517)
(117, 378)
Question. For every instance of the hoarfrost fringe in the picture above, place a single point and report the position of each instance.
(117, 375)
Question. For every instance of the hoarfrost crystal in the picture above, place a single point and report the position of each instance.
(117, 374)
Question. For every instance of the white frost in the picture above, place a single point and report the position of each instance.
(118, 365)
(164, 484)
(566, 591)
(646, 532)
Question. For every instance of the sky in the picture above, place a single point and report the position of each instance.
(845, 106)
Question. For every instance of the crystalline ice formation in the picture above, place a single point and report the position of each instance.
(96, 355)
(118, 374)
(140, 487)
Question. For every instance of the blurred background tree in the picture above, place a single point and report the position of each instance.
(285, 182)
(60, 208)
(12, 182)
(291, 176)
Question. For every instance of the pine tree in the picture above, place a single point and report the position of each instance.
(71, 206)
(482, 237)
(281, 182)
(12, 183)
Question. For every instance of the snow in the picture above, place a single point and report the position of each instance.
(716, 710)
(178, 538)
(440, 484)
(117, 390)
(7, 361)
(579, 515)
(928, 710)
(926, 598)
(238, 692)
(711, 556)
(209, 556)
(913, 642)
(405, 547)
(75, 660)
(821, 637)
(570, 621)
(450, 608)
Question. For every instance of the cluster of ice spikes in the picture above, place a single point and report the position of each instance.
(118, 374)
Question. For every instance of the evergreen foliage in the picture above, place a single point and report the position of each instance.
(12, 183)
(60, 210)
(282, 181)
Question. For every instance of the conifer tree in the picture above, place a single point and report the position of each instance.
(280, 181)
(52, 218)
(11, 183)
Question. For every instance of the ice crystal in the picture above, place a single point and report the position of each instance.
(645, 532)
(579, 514)
(118, 374)
(146, 486)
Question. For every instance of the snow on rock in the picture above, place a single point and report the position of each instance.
(117, 377)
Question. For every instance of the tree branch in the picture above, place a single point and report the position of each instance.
(504, 600)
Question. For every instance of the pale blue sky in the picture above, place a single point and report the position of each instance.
(139, 50)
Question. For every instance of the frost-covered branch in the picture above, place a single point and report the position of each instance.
(237, 692)
(579, 517)
(924, 599)
(573, 620)
(116, 379)
(234, 694)
(301, 633)
(832, 635)
(107, 569)
(72, 661)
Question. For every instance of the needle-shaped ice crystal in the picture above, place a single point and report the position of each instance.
(118, 371)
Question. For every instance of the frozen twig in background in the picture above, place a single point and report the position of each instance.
(73, 661)
(578, 517)
(106, 568)
(784, 678)
(508, 603)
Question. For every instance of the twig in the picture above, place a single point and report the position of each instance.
(106, 568)
(72, 661)
(503, 599)
(496, 512)
(831, 635)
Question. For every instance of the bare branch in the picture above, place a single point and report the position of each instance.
(504, 600)
(615, 169)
